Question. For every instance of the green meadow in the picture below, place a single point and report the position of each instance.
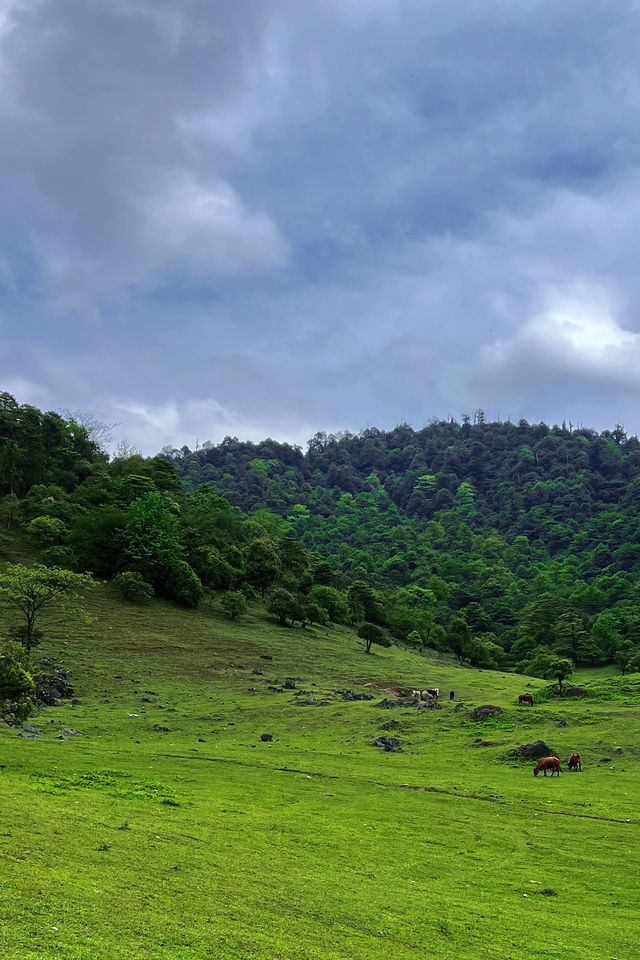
(170, 830)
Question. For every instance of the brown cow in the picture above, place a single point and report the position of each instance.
(525, 698)
(575, 762)
(547, 763)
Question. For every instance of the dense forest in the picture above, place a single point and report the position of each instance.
(510, 545)
(507, 543)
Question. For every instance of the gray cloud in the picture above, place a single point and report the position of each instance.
(273, 217)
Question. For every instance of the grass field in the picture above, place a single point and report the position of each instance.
(199, 840)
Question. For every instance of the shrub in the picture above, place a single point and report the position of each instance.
(414, 639)
(59, 556)
(314, 613)
(47, 529)
(16, 682)
(183, 584)
(247, 591)
(133, 587)
(233, 604)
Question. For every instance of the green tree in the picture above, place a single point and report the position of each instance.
(132, 586)
(233, 604)
(40, 592)
(633, 663)
(150, 537)
(561, 668)
(283, 605)
(47, 530)
(262, 564)
(371, 633)
(16, 681)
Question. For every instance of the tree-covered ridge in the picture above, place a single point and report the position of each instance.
(488, 538)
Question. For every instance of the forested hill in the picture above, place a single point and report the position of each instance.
(527, 535)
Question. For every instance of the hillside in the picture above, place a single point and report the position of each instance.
(523, 537)
(198, 840)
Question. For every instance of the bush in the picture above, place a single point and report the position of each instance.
(47, 529)
(233, 604)
(133, 587)
(247, 591)
(414, 639)
(314, 613)
(16, 682)
(182, 584)
(283, 605)
(58, 556)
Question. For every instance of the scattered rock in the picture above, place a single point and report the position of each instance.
(386, 704)
(486, 712)
(266, 737)
(160, 729)
(483, 743)
(349, 695)
(29, 729)
(201, 740)
(289, 684)
(62, 738)
(257, 673)
(389, 744)
(265, 656)
(146, 700)
(75, 702)
(458, 707)
(532, 751)
(563, 723)
(605, 760)
(72, 733)
(546, 892)
(574, 691)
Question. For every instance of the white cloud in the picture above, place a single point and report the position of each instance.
(576, 330)
(149, 427)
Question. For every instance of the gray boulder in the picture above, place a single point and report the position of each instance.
(486, 712)
(532, 751)
(389, 744)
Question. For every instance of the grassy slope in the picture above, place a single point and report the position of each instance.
(317, 845)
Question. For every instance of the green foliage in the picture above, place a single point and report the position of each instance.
(133, 587)
(333, 601)
(284, 606)
(16, 681)
(371, 633)
(47, 530)
(263, 565)
(633, 663)
(561, 668)
(59, 557)
(95, 539)
(234, 604)
(39, 592)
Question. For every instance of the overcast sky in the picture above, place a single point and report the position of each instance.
(271, 217)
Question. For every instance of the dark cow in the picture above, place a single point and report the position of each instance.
(525, 698)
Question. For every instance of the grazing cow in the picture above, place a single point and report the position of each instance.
(426, 695)
(548, 763)
(434, 692)
(415, 694)
(525, 698)
(452, 695)
(575, 762)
